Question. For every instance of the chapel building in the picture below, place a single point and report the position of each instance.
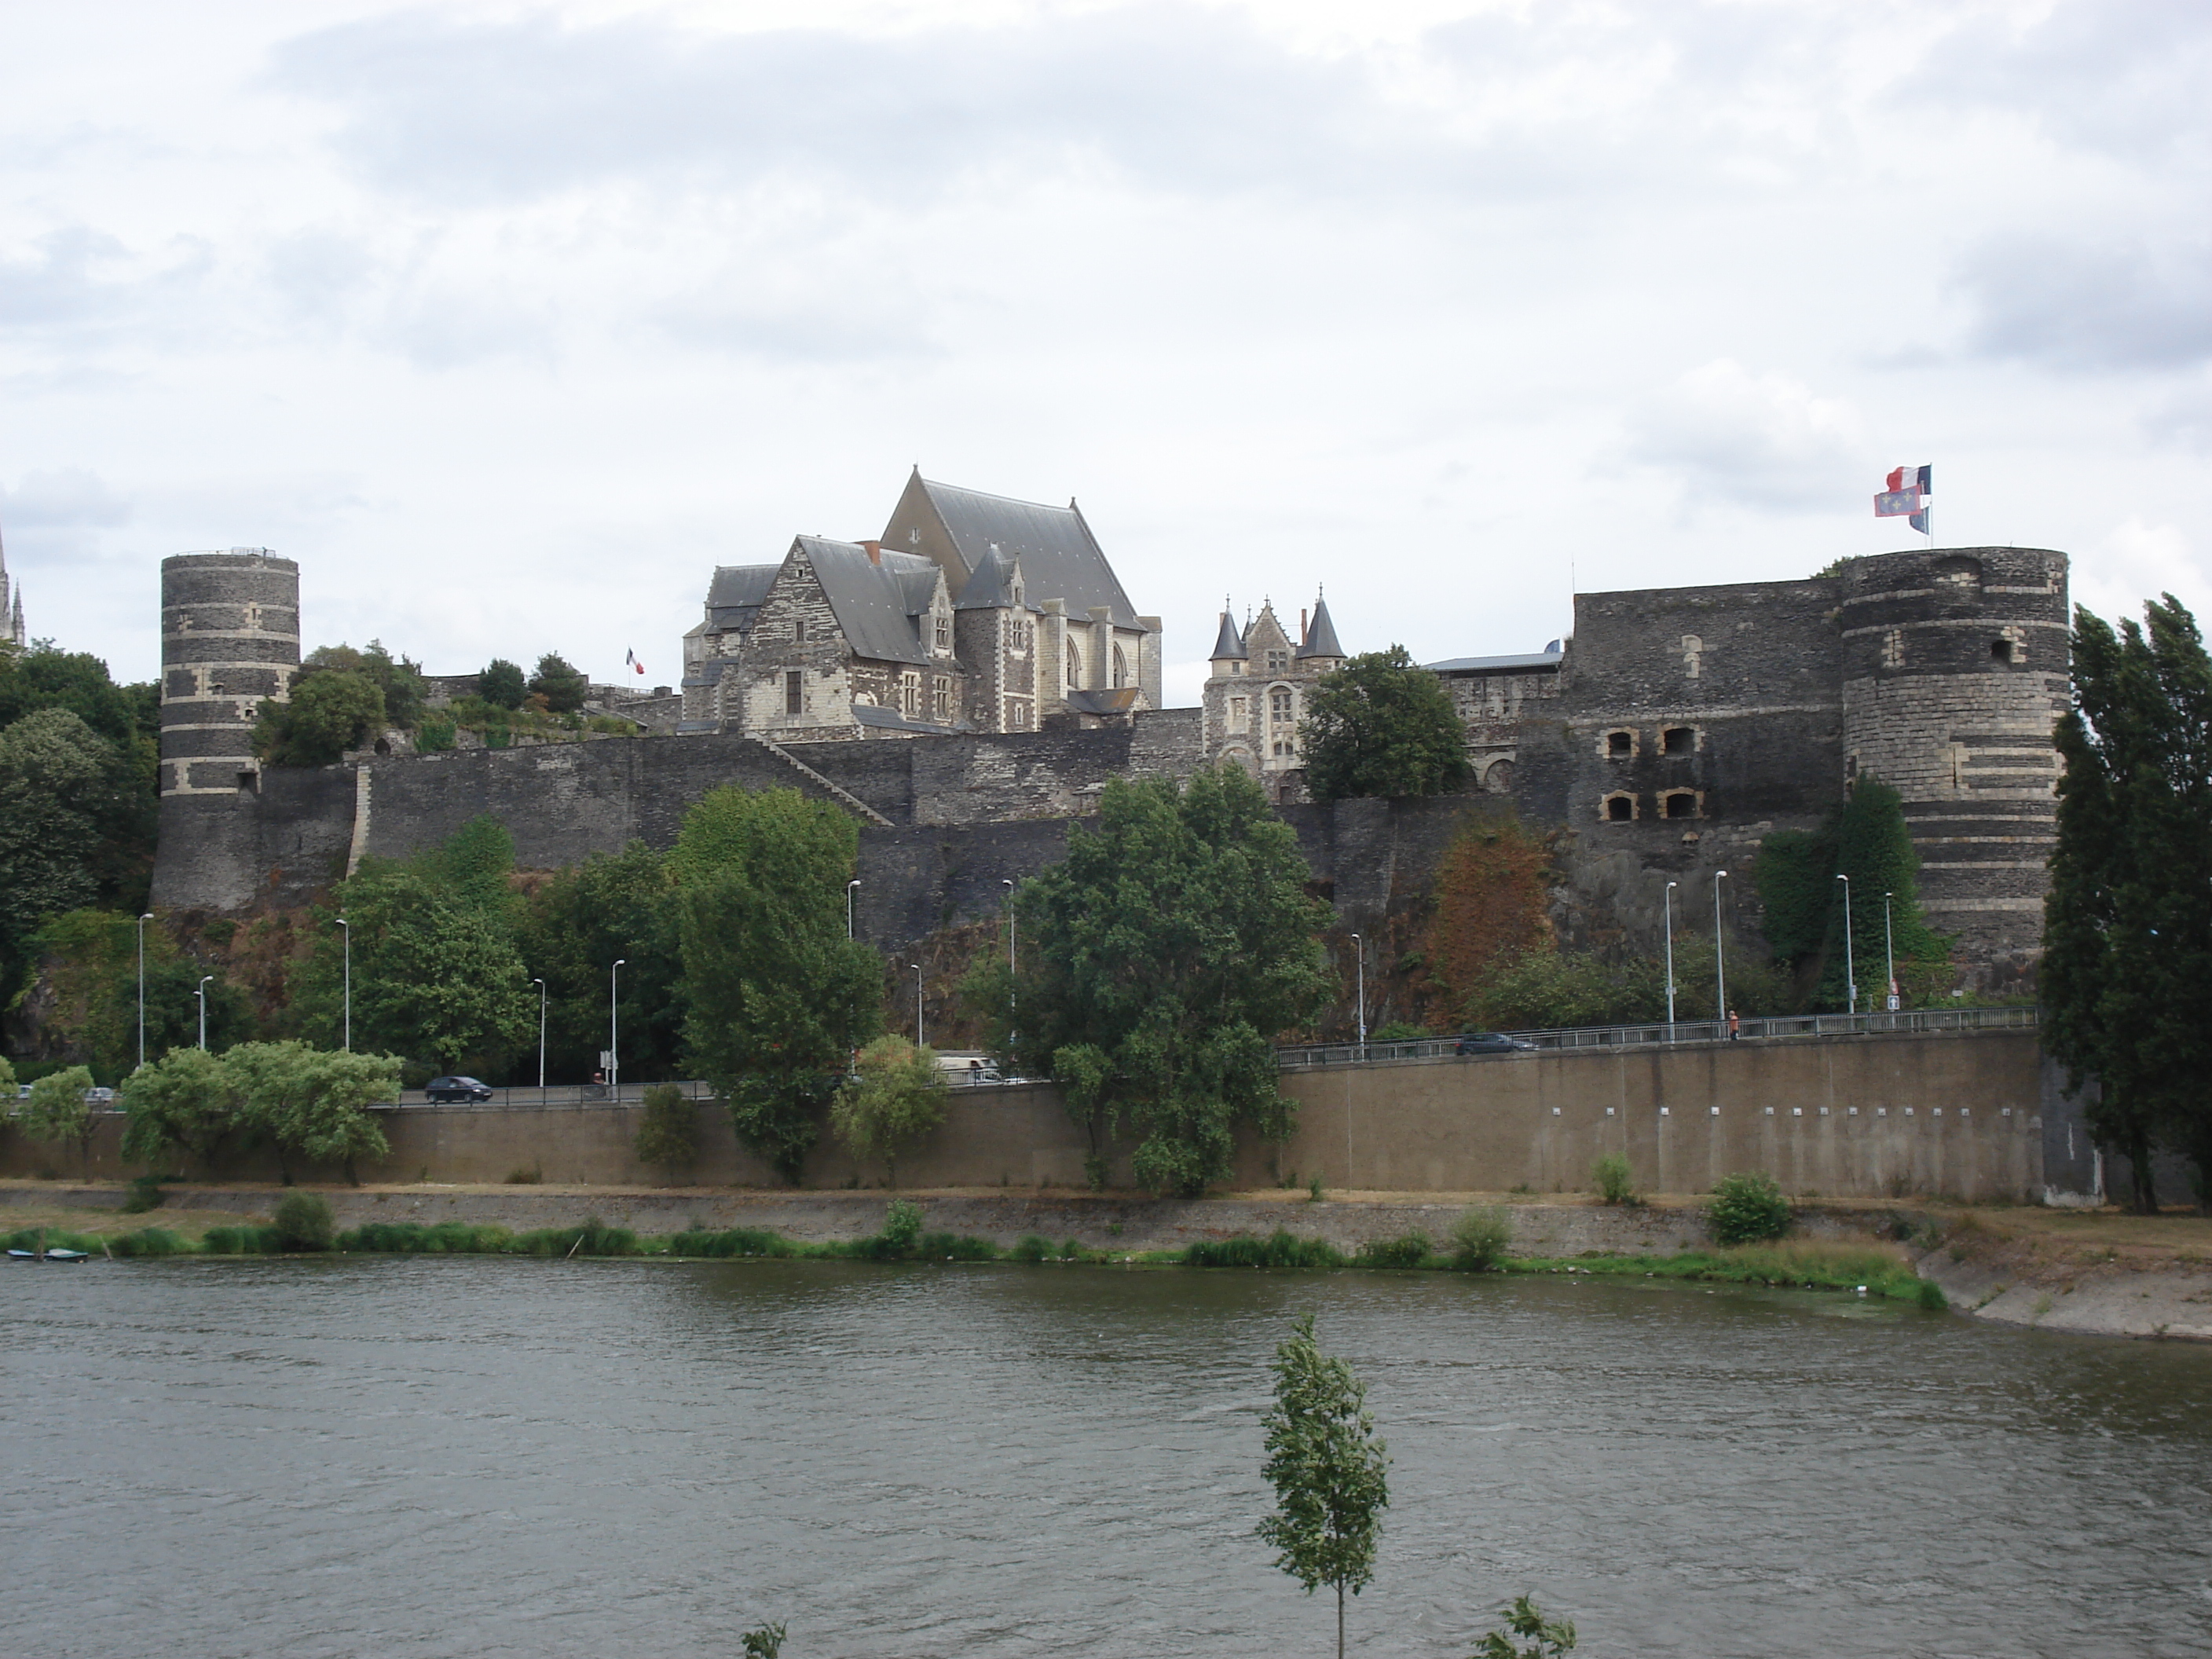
(971, 612)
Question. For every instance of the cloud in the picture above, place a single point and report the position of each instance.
(2136, 562)
(1759, 441)
(2116, 303)
(68, 497)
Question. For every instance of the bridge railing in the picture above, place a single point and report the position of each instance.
(1766, 1028)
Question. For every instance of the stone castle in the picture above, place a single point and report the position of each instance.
(1672, 731)
(11, 608)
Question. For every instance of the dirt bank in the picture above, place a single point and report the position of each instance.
(2092, 1273)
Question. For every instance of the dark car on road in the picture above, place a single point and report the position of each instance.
(449, 1091)
(1491, 1042)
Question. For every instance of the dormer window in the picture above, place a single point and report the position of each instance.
(943, 632)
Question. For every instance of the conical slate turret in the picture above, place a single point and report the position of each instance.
(1321, 634)
(1229, 644)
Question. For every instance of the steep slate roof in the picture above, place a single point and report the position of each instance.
(1320, 633)
(1060, 558)
(991, 586)
(873, 603)
(1547, 659)
(734, 598)
(1230, 641)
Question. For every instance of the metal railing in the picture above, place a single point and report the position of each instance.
(1763, 1029)
(556, 1095)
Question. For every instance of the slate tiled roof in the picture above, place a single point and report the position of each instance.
(1549, 659)
(1320, 633)
(873, 603)
(1118, 700)
(1229, 643)
(734, 598)
(990, 586)
(1060, 558)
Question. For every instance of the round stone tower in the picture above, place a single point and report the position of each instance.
(230, 636)
(1954, 674)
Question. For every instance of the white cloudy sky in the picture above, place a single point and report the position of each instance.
(508, 323)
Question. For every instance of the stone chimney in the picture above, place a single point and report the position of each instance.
(875, 552)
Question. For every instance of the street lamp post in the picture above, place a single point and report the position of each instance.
(1851, 973)
(614, 1026)
(142, 921)
(1668, 898)
(1720, 956)
(348, 937)
(1888, 954)
(851, 888)
(540, 984)
(1013, 995)
(917, 1003)
(1359, 978)
(201, 993)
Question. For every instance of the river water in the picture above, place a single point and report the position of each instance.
(625, 1460)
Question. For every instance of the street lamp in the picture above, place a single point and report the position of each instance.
(348, 937)
(142, 921)
(917, 1003)
(614, 1026)
(851, 888)
(1013, 995)
(1720, 956)
(201, 993)
(1359, 977)
(540, 984)
(1888, 953)
(1668, 898)
(1851, 973)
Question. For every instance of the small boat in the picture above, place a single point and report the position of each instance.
(51, 1255)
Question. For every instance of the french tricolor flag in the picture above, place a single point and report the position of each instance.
(629, 658)
(1907, 496)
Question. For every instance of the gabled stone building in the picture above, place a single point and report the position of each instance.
(1256, 694)
(971, 613)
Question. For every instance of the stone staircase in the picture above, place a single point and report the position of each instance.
(845, 797)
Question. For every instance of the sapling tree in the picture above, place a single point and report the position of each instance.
(1328, 1471)
(894, 1098)
(185, 1102)
(57, 1108)
(667, 1129)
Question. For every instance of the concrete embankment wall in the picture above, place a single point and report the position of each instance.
(1951, 1114)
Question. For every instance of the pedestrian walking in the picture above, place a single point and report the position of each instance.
(1735, 1026)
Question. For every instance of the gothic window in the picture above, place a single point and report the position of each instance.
(910, 696)
(1619, 808)
(1278, 707)
(794, 693)
(1074, 664)
(940, 700)
(1620, 745)
(1121, 667)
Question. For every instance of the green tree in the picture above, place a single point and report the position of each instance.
(1329, 1470)
(473, 865)
(325, 714)
(1381, 725)
(574, 926)
(1173, 946)
(61, 784)
(776, 997)
(894, 1098)
(182, 1105)
(89, 963)
(501, 685)
(57, 1108)
(1549, 1638)
(2127, 965)
(667, 1129)
(563, 684)
(399, 678)
(313, 1103)
(433, 979)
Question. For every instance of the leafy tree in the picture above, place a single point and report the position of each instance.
(894, 1098)
(311, 1102)
(1172, 947)
(1381, 725)
(1552, 1638)
(1328, 1471)
(571, 930)
(399, 678)
(57, 1108)
(2127, 966)
(667, 1130)
(473, 863)
(433, 979)
(184, 1104)
(501, 685)
(777, 997)
(6, 1070)
(89, 960)
(563, 684)
(325, 714)
(61, 787)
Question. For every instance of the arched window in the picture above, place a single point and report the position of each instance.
(1074, 665)
(1619, 809)
(1121, 667)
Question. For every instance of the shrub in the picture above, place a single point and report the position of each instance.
(668, 1129)
(1031, 1248)
(1071, 1249)
(1481, 1238)
(145, 1195)
(242, 1241)
(1411, 1251)
(1931, 1295)
(1399, 1031)
(1748, 1209)
(901, 1226)
(764, 1643)
(519, 1176)
(955, 1246)
(731, 1242)
(303, 1222)
(1281, 1248)
(1616, 1182)
(147, 1241)
(413, 1238)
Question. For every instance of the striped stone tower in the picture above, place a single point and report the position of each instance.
(230, 636)
(1955, 671)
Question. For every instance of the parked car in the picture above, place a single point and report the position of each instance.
(99, 1096)
(1490, 1042)
(449, 1091)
